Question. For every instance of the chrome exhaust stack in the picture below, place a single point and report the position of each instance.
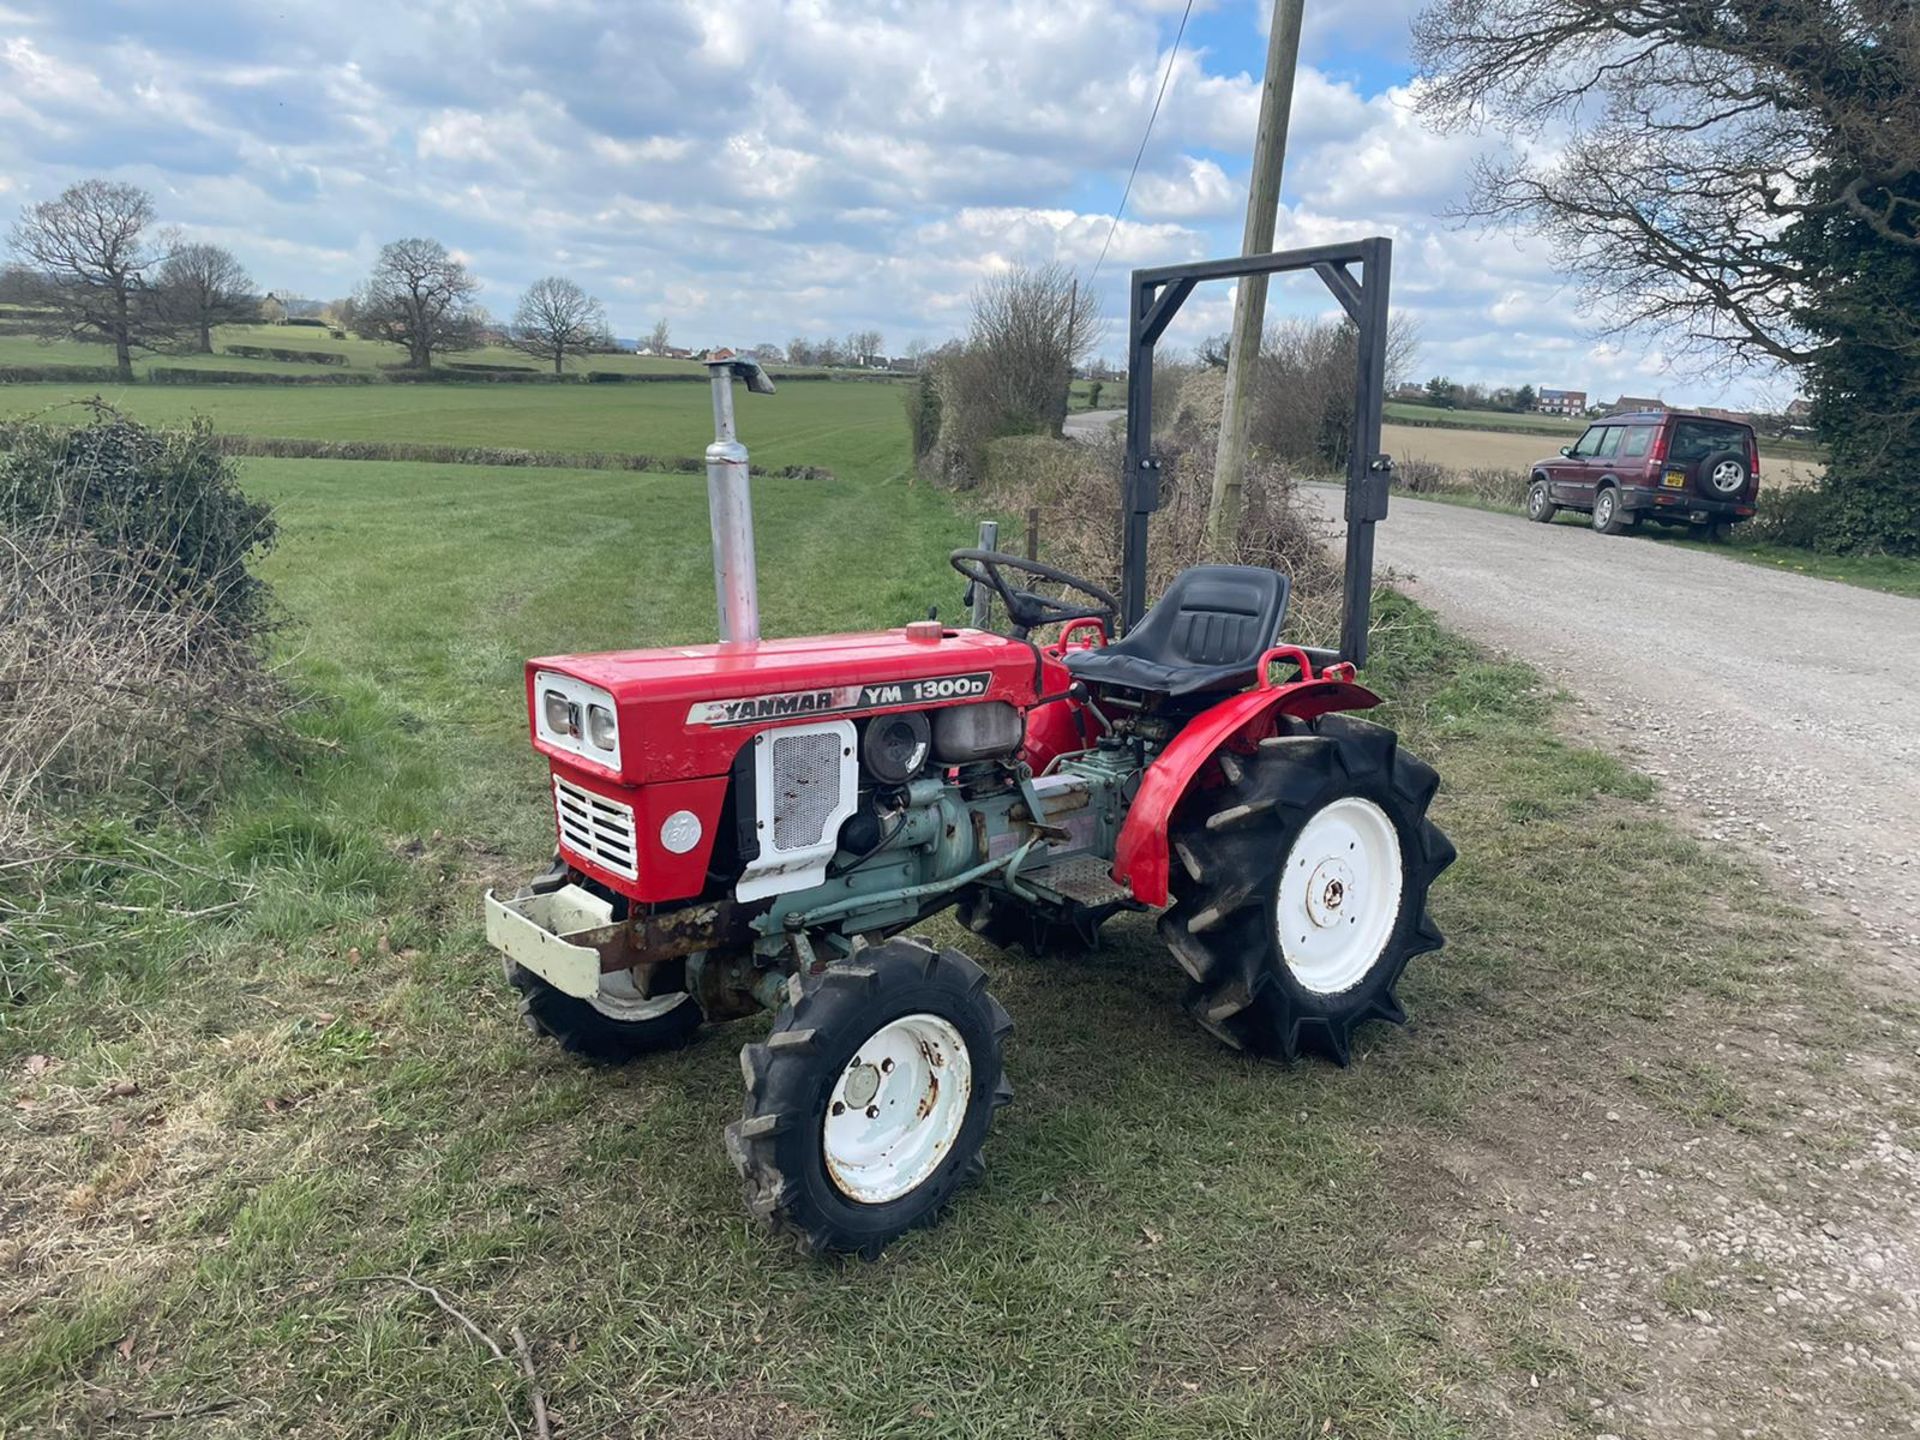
(736, 580)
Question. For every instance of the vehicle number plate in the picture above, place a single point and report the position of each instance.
(1674, 479)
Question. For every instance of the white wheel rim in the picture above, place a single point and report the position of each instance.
(1537, 499)
(1339, 895)
(1728, 476)
(897, 1108)
(620, 999)
(1606, 506)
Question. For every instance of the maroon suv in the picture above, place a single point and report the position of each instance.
(1691, 470)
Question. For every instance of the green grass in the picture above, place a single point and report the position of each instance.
(828, 423)
(1171, 1242)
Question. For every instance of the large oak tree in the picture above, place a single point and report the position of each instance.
(419, 296)
(205, 286)
(93, 250)
(557, 320)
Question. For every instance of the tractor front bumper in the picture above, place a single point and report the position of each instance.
(560, 936)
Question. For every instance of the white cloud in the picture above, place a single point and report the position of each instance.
(753, 168)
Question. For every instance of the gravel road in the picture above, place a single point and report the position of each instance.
(1782, 711)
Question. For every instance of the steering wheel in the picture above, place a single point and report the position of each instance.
(1027, 609)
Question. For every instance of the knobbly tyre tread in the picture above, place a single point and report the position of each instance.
(581, 1030)
(1228, 849)
(788, 1078)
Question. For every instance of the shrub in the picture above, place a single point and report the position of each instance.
(168, 501)
(180, 375)
(493, 369)
(56, 374)
(1798, 517)
(311, 322)
(299, 357)
(130, 663)
(300, 448)
(407, 376)
(923, 414)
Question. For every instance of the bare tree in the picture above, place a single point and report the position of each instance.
(801, 351)
(421, 297)
(557, 319)
(1037, 327)
(865, 346)
(92, 247)
(660, 338)
(204, 286)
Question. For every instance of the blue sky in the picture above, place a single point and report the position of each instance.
(754, 171)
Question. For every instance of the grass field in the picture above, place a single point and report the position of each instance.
(861, 422)
(285, 1069)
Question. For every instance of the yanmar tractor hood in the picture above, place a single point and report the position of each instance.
(685, 710)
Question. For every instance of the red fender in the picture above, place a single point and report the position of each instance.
(1141, 856)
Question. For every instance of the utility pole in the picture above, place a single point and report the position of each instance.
(1250, 300)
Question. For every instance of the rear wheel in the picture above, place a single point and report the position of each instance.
(1609, 517)
(869, 1102)
(1540, 504)
(1300, 888)
(617, 1025)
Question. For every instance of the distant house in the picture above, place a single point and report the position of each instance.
(1635, 402)
(1560, 402)
(1800, 412)
(903, 364)
(272, 312)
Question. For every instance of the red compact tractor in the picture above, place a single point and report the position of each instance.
(756, 824)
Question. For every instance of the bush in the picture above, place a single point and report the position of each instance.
(299, 357)
(490, 369)
(310, 322)
(57, 374)
(1799, 518)
(131, 662)
(300, 448)
(923, 414)
(407, 376)
(179, 375)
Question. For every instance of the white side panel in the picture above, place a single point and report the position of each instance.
(806, 783)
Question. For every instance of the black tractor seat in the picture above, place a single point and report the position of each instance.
(1207, 632)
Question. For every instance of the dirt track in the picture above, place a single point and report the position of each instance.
(1781, 710)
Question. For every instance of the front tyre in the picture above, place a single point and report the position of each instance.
(1300, 889)
(868, 1104)
(619, 1025)
(1540, 506)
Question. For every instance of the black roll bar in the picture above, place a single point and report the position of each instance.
(1156, 297)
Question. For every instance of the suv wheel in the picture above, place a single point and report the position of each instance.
(1540, 504)
(1608, 516)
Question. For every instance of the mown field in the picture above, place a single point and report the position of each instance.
(857, 423)
(275, 1069)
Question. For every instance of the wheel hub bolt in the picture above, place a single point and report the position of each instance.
(873, 1112)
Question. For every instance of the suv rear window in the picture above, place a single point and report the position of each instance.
(1639, 441)
(1696, 439)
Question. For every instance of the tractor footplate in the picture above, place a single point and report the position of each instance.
(1086, 880)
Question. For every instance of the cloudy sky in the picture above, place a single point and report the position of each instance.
(753, 171)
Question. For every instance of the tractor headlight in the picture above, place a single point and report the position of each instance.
(562, 715)
(600, 727)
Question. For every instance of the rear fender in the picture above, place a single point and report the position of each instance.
(1239, 723)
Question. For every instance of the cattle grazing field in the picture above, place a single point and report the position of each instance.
(267, 1081)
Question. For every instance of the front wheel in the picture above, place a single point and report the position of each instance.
(1300, 892)
(1540, 506)
(618, 1025)
(870, 1100)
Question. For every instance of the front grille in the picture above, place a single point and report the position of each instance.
(596, 828)
(806, 787)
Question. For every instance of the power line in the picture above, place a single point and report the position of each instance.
(1172, 55)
